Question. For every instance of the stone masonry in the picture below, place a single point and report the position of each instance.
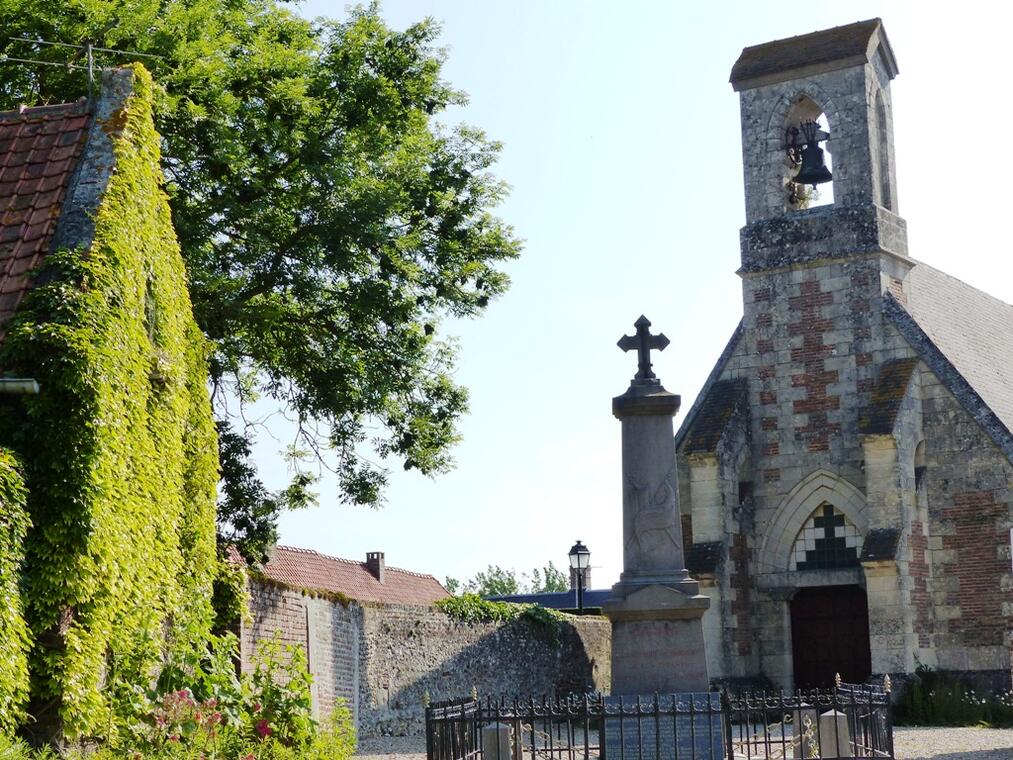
(859, 379)
(383, 659)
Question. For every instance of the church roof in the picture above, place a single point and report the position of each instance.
(312, 571)
(719, 404)
(690, 420)
(39, 152)
(971, 328)
(825, 50)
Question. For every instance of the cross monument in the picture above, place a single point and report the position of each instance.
(656, 608)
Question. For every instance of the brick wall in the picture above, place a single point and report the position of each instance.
(970, 505)
(328, 632)
(382, 659)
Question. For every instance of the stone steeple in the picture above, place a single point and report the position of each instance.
(843, 74)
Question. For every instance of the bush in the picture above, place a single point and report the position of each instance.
(200, 708)
(940, 699)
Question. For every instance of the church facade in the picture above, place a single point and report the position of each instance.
(845, 473)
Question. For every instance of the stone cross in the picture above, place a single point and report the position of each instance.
(643, 342)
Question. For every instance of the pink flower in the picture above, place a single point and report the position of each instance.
(248, 757)
(256, 707)
(263, 729)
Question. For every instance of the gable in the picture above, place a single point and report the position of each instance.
(690, 422)
(39, 151)
(971, 328)
(963, 335)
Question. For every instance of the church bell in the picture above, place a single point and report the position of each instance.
(814, 170)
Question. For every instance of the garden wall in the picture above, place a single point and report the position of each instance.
(385, 659)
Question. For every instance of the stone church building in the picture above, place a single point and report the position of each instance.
(845, 473)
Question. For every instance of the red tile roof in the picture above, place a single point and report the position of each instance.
(39, 150)
(307, 569)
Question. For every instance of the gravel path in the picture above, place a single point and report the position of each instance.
(953, 743)
(909, 744)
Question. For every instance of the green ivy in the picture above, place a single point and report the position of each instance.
(119, 448)
(471, 608)
(13, 630)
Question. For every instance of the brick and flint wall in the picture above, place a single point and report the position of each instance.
(384, 659)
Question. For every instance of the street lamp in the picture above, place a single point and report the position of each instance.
(580, 560)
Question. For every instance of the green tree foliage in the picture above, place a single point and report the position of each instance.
(498, 581)
(549, 578)
(327, 219)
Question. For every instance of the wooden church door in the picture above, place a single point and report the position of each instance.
(830, 635)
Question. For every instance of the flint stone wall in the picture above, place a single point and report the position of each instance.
(383, 659)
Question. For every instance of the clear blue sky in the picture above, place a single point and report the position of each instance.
(622, 147)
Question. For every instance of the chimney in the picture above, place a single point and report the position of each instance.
(573, 578)
(375, 564)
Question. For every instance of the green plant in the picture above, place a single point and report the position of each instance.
(14, 638)
(278, 694)
(934, 698)
(471, 608)
(119, 449)
(329, 215)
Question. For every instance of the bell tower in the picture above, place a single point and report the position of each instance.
(839, 78)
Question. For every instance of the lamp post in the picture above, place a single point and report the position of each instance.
(580, 560)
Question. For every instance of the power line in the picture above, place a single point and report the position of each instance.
(87, 49)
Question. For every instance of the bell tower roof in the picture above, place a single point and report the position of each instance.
(815, 53)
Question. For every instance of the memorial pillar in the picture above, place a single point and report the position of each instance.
(656, 608)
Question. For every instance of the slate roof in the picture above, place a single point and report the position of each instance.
(689, 421)
(307, 569)
(887, 396)
(825, 50)
(558, 600)
(880, 544)
(720, 403)
(703, 558)
(973, 330)
(39, 152)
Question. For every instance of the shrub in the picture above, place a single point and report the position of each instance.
(933, 698)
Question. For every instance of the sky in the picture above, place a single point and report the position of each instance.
(622, 148)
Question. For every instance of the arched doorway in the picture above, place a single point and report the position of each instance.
(830, 635)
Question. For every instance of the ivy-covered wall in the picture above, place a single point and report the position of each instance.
(13, 630)
(119, 447)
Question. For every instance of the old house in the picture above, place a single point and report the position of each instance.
(108, 455)
(844, 475)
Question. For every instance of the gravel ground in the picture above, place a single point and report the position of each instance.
(909, 744)
(953, 743)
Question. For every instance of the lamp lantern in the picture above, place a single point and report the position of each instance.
(580, 560)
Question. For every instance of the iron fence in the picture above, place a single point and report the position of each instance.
(848, 721)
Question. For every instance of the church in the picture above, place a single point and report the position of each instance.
(844, 476)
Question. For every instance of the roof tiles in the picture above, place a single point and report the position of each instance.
(39, 150)
(307, 569)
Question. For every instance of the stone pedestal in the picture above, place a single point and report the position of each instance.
(656, 608)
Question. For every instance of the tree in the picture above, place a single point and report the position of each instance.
(329, 222)
(497, 581)
(549, 579)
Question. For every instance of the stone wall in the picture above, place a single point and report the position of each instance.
(383, 659)
(328, 632)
